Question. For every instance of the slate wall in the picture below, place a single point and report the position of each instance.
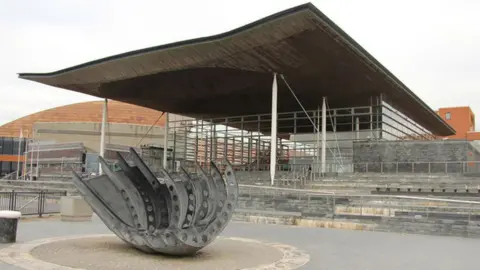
(413, 156)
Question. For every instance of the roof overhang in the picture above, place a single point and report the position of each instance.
(231, 73)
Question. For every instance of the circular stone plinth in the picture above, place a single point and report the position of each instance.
(107, 252)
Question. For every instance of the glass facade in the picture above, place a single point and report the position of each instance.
(9, 149)
(397, 126)
(245, 142)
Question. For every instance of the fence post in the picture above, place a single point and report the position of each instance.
(366, 167)
(41, 203)
(413, 167)
(11, 203)
(429, 169)
(44, 199)
(381, 167)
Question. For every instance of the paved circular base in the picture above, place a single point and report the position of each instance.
(107, 252)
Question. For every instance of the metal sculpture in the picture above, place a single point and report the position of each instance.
(177, 214)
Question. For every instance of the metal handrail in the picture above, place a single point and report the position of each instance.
(10, 199)
(288, 189)
(29, 202)
(416, 167)
(6, 177)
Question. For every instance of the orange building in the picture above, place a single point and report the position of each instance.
(462, 119)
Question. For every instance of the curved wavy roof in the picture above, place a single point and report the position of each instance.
(118, 112)
(231, 74)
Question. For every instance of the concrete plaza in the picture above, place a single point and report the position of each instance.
(327, 248)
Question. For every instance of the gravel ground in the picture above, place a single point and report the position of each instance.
(329, 249)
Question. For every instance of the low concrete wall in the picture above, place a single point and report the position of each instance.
(74, 208)
(437, 227)
(314, 210)
(422, 225)
(314, 207)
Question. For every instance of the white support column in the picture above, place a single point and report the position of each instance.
(324, 135)
(25, 162)
(38, 158)
(357, 128)
(317, 167)
(102, 134)
(273, 133)
(19, 153)
(32, 149)
(165, 141)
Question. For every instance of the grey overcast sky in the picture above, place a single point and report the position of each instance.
(433, 46)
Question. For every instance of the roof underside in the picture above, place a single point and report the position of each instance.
(231, 74)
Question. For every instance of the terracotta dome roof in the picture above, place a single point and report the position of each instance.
(118, 112)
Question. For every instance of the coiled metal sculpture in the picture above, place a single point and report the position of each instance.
(176, 214)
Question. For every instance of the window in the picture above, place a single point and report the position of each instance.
(448, 116)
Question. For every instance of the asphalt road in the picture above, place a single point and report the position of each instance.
(329, 249)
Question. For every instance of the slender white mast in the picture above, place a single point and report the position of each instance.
(19, 153)
(38, 157)
(102, 134)
(165, 142)
(324, 135)
(273, 135)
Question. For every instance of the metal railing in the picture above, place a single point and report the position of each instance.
(9, 176)
(31, 203)
(439, 167)
(436, 167)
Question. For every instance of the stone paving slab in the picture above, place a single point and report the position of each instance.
(110, 253)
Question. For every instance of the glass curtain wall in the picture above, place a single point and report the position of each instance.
(397, 126)
(245, 142)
